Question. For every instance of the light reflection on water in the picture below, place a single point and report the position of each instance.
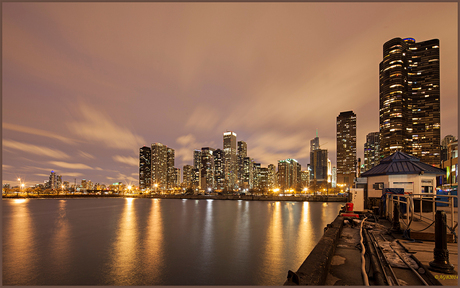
(158, 242)
(123, 259)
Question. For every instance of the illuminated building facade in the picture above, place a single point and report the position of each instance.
(145, 156)
(230, 160)
(171, 170)
(207, 169)
(242, 153)
(346, 148)
(371, 151)
(187, 176)
(247, 173)
(450, 180)
(159, 165)
(409, 99)
(289, 175)
(444, 143)
(219, 175)
(272, 183)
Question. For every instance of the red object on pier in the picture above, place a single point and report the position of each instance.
(349, 207)
(349, 215)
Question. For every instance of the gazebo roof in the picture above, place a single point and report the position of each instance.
(400, 163)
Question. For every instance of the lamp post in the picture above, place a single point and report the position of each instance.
(156, 185)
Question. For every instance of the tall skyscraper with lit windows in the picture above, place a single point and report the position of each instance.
(346, 148)
(159, 165)
(242, 152)
(145, 167)
(371, 151)
(410, 99)
(230, 163)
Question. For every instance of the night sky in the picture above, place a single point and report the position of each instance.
(85, 85)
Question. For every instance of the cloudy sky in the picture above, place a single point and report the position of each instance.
(85, 85)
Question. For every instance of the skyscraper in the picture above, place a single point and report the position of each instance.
(371, 151)
(289, 174)
(242, 152)
(230, 159)
(318, 161)
(207, 169)
(346, 148)
(219, 175)
(171, 172)
(247, 174)
(409, 99)
(314, 145)
(159, 165)
(318, 164)
(187, 176)
(272, 176)
(145, 167)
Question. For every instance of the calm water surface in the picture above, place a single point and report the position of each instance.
(158, 242)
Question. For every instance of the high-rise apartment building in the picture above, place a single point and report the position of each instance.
(196, 172)
(346, 148)
(248, 173)
(230, 160)
(219, 175)
(55, 181)
(371, 151)
(272, 183)
(145, 157)
(159, 165)
(207, 169)
(289, 174)
(242, 152)
(409, 99)
(187, 176)
(171, 172)
(256, 175)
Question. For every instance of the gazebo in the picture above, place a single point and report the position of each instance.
(400, 170)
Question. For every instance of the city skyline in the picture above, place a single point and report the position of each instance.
(81, 97)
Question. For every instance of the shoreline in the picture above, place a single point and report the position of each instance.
(312, 198)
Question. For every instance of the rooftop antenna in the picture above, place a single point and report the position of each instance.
(316, 132)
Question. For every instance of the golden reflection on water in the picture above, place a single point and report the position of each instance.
(60, 240)
(274, 240)
(123, 262)
(18, 245)
(305, 232)
(153, 243)
(208, 234)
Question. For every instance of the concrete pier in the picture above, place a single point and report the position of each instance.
(336, 259)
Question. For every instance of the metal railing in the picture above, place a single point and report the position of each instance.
(408, 199)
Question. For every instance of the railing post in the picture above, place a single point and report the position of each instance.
(421, 206)
(434, 206)
(441, 254)
(451, 203)
(407, 210)
(387, 208)
(395, 221)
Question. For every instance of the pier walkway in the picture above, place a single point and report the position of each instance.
(337, 258)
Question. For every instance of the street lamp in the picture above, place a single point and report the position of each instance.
(156, 185)
(129, 189)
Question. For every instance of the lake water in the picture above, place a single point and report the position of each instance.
(158, 241)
